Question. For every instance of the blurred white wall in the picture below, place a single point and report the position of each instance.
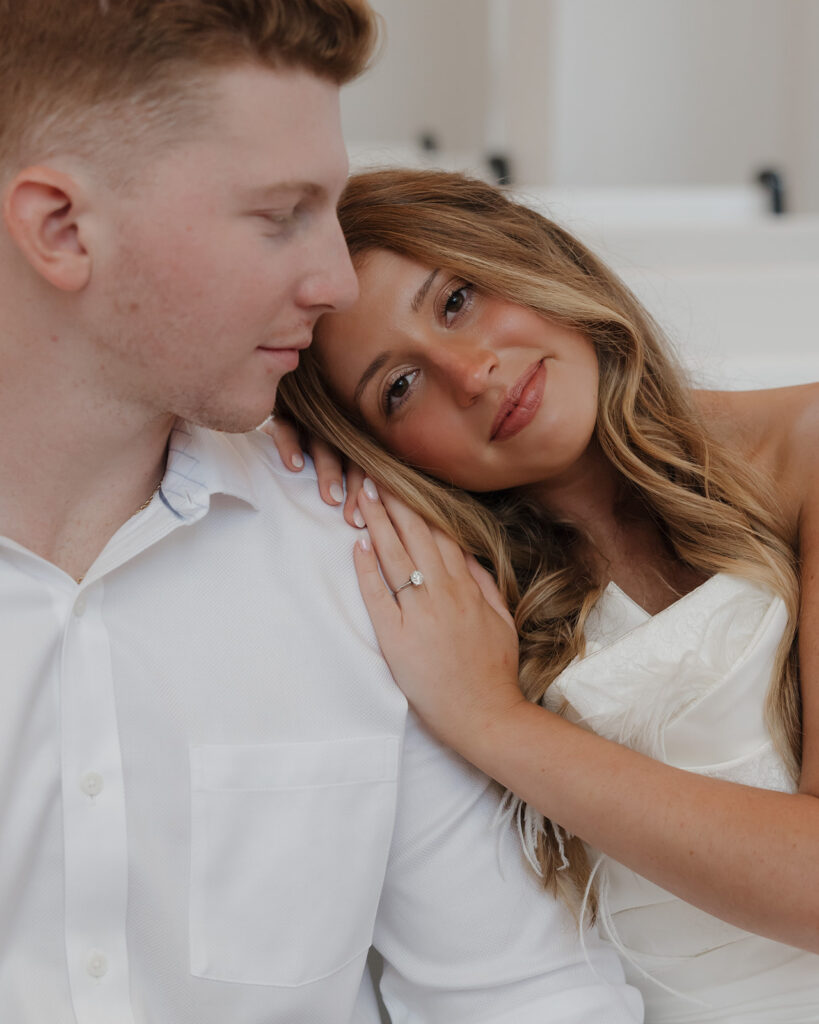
(671, 91)
(605, 92)
(804, 83)
(431, 76)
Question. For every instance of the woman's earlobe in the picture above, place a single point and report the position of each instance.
(41, 213)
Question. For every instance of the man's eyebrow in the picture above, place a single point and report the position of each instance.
(368, 374)
(421, 294)
(268, 192)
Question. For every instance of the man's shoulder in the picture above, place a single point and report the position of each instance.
(259, 452)
(256, 453)
(289, 502)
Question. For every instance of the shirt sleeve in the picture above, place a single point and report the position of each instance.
(465, 928)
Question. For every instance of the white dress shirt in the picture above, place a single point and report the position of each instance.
(212, 799)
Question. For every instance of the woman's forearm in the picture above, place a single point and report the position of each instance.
(746, 855)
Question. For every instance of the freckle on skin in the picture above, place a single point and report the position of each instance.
(133, 307)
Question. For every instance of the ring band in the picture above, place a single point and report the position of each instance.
(415, 580)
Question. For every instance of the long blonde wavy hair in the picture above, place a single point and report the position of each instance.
(715, 512)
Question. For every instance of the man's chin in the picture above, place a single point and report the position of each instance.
(234, 421)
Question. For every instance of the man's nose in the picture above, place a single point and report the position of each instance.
(331, 284)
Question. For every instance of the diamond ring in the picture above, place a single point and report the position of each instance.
(415, 580)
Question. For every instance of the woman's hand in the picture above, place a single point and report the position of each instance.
(332, 470)
(450, 642)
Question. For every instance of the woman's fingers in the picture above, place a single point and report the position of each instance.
(427, 544)
(489, 589)
(396, 561)
(286, 438)
(453, 555)
(355, 478)
(381, 606)
(450, 643)
(329, 471)
(404, 541)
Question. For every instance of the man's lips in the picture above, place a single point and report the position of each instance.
(296, 345)
(284, 358)
(521, 403)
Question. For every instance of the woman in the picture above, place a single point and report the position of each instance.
(646, 539)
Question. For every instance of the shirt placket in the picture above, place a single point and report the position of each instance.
(94, 822)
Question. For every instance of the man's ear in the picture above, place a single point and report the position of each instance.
(42, 208)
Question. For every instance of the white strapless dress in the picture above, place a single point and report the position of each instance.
(687, 686)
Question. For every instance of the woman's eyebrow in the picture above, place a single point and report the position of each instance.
(415, 304)
(421, 294)
(367, 375)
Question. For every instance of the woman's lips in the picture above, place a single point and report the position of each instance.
(521, 404)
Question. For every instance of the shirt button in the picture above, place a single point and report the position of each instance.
(92, 784)
(79, 606)
(97, 964)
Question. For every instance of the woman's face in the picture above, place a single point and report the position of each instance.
(477, 391)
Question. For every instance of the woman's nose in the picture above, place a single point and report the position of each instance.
(468, 369)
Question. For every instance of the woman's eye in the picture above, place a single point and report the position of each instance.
(456, 302)
(397, 391)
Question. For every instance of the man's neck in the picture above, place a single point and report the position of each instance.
(73, 469)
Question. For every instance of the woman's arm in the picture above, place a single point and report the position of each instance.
(746, 855)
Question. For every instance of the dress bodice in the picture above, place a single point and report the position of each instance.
(688, 686)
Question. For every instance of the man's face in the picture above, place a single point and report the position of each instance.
(219, 263)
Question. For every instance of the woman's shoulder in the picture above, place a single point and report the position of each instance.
(776, 429)
(748, 420)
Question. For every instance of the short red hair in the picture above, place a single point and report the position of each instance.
(63, 60)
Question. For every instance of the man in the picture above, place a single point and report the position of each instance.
(211, 800)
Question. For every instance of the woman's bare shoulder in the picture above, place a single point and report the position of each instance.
(753, 421)
(776, 429)
(804, 443)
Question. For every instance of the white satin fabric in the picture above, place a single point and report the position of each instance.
(688, 686)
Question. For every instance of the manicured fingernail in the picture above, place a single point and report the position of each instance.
(364, 542)
(369, 489)
(358, 519)
(337, 492)
(296, 461)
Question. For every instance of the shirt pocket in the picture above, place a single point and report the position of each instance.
(289, 844)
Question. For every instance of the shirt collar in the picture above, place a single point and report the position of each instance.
(202, 463)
